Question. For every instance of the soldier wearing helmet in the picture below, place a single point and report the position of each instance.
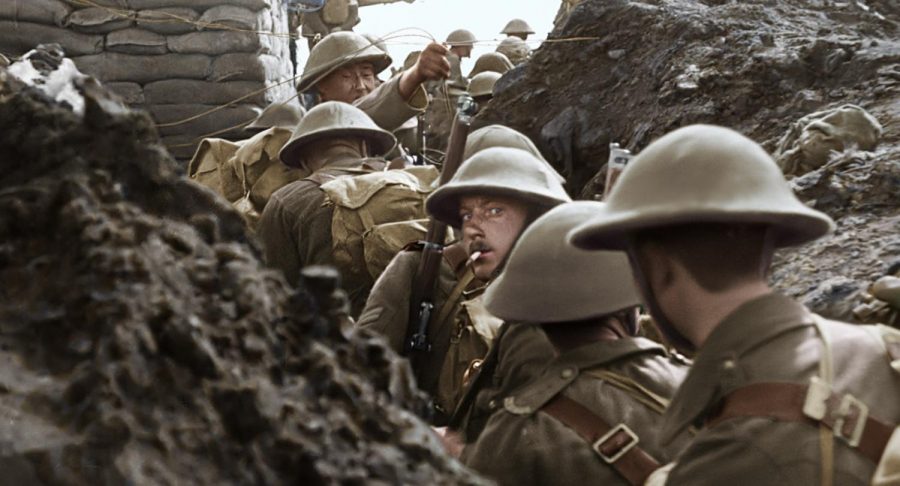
(597, 378)
(278, 114)
(344, 65)
(461, 42)
(780, 394)
(515, 49)
(332, 140)
(481, 88)
(489, 201)
(517, 28)
(491, 61)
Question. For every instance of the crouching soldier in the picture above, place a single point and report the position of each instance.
(782, 396)
(593, 416)
(495, 195)
(332, 140)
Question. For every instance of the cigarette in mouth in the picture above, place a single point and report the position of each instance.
(474, 257)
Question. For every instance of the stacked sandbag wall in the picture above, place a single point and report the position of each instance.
(182, 60)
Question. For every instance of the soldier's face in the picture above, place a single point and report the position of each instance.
(490, 225)
(462, 51)
(348, 83)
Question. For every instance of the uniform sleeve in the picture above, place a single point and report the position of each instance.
(506, 453)
(387, 309)
(388, 109)
(276, 230)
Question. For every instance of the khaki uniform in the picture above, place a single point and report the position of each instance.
(523, 445)
(387, 108)
(295, 226)
(773, 339)
(455, 341)
(518, 355)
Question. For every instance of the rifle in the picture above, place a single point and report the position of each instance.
(417, 345)
(618, 159)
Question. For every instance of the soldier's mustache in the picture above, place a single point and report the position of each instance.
(479, 245)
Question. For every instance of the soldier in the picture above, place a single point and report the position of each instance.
(482, 88)
(343, 67)
(278, 114)
(515, 49)
(594, 414)
(333, 139)
(333, 16)
(490, 200)
(461, 42)
(491, 61)
(517, 28)
(782, 396)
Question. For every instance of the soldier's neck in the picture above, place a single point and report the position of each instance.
(568, 336)
(321, 156)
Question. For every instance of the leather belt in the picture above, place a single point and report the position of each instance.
(617, 446)
(846, 416)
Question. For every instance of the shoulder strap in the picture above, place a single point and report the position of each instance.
(631, 387)
(616, 446)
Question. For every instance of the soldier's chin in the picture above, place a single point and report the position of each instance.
(484, 268)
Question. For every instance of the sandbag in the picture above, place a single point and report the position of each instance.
(811, 140)
(188, 91)
(230, 17)
(136, 41)
(181, 147)
(365, 201)
(18, 38)
(168, 21)
(258, 168)
(213, 43)
(97, 20)
(131, 93)
(198, 4)
(382, 242)
(112, 66)
(50, 12)
(249, 67)
(209, 167)
(230, 119)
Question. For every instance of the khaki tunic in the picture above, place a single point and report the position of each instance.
(454, 342)
(295, 227)
(773, 339)
(387, 108)
(518, 355)
(521, 445)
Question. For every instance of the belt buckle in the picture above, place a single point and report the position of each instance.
(598, 444)
(816, 404)
(849, 402)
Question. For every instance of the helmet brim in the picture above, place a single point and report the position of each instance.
(443, 203)
(381, 142)
(379, 60)
(611, 230)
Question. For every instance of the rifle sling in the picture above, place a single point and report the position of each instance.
(617, 446)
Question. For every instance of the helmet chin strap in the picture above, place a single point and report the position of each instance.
(674, 338)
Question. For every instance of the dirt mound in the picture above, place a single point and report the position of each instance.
(629, 72)
(142, 342)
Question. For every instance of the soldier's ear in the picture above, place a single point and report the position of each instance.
(658, 267)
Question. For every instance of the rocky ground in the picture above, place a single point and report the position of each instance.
(630, 71)
(142, 342)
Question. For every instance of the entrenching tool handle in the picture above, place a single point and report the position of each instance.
(417, 344)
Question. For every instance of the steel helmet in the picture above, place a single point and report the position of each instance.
(411, 59)
(491, 61)
(339, 49)
(502, 136)
(585, 283)
(483, 84)
(278, 114)
(701, 174)
(515, 49)
(335, 119)
(499, 171)
(517, 26)
(461, 37)
(377, 42)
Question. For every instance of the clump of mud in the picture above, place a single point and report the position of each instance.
(630, 71)
(142, 342)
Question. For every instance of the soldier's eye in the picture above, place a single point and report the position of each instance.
(465, 216)
(495, 211)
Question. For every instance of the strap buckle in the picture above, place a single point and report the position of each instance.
(851, 409)
(816, 404)
(621, 450)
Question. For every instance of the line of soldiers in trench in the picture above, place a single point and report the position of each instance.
(538, 368)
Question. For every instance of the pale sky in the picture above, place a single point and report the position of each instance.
(485, 18)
